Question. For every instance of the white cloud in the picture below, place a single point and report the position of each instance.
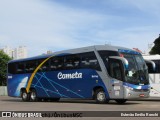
(43, 25)
(47, 26)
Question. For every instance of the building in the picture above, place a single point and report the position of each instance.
(8, 51)
(20, 52)
(49, 52)
(16, 53)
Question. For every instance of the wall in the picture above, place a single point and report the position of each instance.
(3, 90)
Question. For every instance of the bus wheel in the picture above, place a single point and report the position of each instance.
(33, 95)
(121, 101)
(54, 99)
(100, 96)
(24, 95)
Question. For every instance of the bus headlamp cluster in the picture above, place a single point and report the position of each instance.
(129, 88)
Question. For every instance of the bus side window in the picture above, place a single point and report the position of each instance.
(57, 63)
(72, 62)
(69, 62)
(45, 66)
(89, 60)
(115, 70)
(105, 54)
(76, 61)
(30, 66)
(12, 68)
(21, 68)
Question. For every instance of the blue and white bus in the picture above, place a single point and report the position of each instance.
(100, 72)
(154, 73)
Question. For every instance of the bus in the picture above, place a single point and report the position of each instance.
(154, 74)
(100, 72)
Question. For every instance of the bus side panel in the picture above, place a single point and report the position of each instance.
(15, 83)
(67, 84)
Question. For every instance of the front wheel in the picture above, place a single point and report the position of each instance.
(121, 101)
(100, 96)
(24, 96)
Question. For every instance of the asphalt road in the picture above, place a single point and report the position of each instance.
(16, 104)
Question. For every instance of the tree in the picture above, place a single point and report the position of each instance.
(4, 58)
(156, 47)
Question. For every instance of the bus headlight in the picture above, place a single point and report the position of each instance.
(129, 88)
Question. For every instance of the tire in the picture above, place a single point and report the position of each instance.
(100, 96)
(121, 101)
(24, 96)
(33, 95)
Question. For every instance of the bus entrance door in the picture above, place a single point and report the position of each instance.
(116, 82)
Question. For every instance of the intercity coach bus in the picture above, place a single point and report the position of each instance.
(154, 73)
(100, 72)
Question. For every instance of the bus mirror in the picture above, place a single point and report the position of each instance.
(124, 61)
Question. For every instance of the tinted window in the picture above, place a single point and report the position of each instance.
(105, 54)
(12, 68)
(75, 61)
(115, 69)
(72, 62)
(57, 63)
(89, 60)
(20, 68)
(30, 66)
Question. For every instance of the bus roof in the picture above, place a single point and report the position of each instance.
(151, 57)
(74, 51)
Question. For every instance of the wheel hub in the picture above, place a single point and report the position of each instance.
(101, 96)
(24, 95)
(33, 96)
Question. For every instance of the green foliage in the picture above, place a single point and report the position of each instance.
(156, 47)
(4, 58)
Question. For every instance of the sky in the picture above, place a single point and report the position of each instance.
(56, 25)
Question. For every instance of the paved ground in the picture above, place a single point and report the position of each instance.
(16, 104)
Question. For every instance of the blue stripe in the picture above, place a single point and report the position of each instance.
(136, 86)
(43, 75)
(51, 91)
(42, 86)
(129, 51)
(62, 86)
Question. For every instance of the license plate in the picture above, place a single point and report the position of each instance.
(141, 95)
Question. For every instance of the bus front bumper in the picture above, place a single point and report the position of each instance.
(136, 93)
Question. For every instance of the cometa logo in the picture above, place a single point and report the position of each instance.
(69, 76)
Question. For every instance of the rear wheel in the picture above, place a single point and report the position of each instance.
(121, 101)
(100, 96)
(24, 95)
(33, 95)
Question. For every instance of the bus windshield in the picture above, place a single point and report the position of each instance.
(137, 70)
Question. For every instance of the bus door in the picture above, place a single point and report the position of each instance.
(116, 71)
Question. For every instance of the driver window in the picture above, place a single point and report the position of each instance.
(115, 70)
